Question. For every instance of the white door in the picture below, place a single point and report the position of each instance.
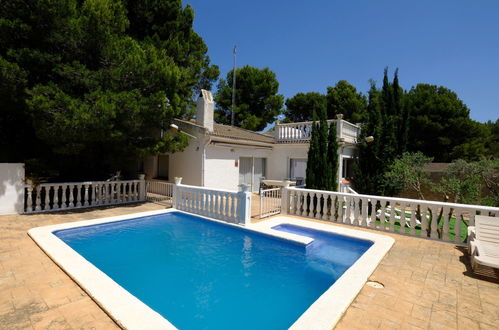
(258, 172)
(245, 170)
(298, 169)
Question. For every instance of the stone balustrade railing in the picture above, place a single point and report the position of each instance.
(349, 132)
(49, 197)
(300, 132)
(428, 219)
(229, 206)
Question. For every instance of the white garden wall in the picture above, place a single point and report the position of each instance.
(11, 188)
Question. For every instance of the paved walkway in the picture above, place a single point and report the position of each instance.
(427, 285)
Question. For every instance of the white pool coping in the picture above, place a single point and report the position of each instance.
(131, 313)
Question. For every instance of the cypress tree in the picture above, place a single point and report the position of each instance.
(332, 159)
(312, 155)
(400, 115)
(323, 165)
(369, 167)
(389, 120)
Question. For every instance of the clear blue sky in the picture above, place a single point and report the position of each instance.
(312, 44)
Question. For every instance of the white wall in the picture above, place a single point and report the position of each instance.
(188, 164)
(220, 170)
(278, 163)
(11, 188)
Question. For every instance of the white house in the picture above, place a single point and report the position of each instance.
(222, 156)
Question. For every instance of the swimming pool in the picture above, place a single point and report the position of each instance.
(202, 274)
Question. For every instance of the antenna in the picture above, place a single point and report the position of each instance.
(233, 88)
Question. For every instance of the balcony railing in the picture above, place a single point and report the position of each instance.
(301, 132)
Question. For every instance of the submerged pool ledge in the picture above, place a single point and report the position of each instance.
(326, 311)
(131, 313)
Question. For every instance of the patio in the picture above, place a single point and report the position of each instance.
(428, 284)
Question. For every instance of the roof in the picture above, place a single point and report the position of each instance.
(436, 167)
(238, 133)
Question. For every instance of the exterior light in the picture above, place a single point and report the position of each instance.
(369, 139)
(176, 129)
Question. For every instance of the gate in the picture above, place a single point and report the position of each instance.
(160, 192)
(270, 202)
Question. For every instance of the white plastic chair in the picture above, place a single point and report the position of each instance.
(483, 242)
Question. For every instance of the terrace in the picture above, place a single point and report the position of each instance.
(300, 132)
(427, 283)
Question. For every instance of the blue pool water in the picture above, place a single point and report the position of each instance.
(204, 275)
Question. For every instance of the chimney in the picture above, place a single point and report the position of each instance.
(205, 106)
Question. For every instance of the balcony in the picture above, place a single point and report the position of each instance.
(301, 132)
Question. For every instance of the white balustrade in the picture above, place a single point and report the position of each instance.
(428, 219)
(302, 131)
(229, 206)
(49, 197)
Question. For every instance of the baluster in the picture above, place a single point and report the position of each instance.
(29, 202)
(424, 221)
(310, 207)
(348, 211)
(434, 222)
(233, 206)
(393, 205)
(402, 220)
(382, 216)
(413, 219)
(332, 208)
(324, 207)
(341, 210)
(305, 201)
(64, 197)
(85, 195)
(78, 195)
(445, 229)
(215, 205)
(457, 225)
(47, 198)
(198, 201)
(136, 190)
(55, 200)
(95, 193)
(38, 198)
(227, 206)
(71, 198)
(364, 211)
(356, 211)
(372, 221)
(105, 192)
(119, 193)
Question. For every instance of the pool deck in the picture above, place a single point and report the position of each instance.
(428, 284)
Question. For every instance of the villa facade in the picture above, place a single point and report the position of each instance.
(222, 156)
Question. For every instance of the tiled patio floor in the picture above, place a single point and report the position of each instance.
(427, 285)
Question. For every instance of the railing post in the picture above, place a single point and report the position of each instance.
(175, 194)
(142, 189)
(285, 198)
(244, 205)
